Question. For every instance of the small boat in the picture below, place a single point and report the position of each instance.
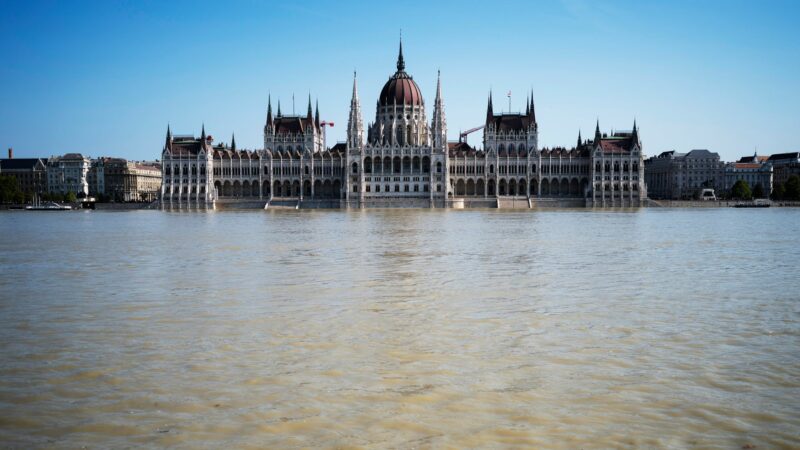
(49, 208)
(46, 206)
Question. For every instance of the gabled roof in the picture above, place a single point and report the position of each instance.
(291, 124)
(20, 163)
(187, 146)
(753, 159)
(618, 143)
(701, 153)
(460, 149)
(781, 156)
(511, 122)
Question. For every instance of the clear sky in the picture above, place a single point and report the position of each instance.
(105, 78)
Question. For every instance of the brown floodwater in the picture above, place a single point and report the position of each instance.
(651, 328)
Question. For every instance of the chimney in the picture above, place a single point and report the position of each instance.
(10, 153)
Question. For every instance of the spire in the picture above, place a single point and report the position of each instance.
(355, 87)
(597, 132)
(533, 109)
(438, 85)
(269, 111)
(279, 108)
(168, 143)
(355, 126)
(309, 115)
(635, 132)
(316, 114)
(203, 133)
(489, 111)
(233, 141)
(527, 106)
(401, 64)
(439, 127)
(579, 139)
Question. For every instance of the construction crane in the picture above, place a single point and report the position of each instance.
(463, 136)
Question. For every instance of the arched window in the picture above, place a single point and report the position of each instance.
(491, 168)
(438, 167)
(355, 167)
(307, 173)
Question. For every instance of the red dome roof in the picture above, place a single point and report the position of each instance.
(400, 89)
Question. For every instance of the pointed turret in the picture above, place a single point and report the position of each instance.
(203, 133)
(597, 135)
(489, 111)
(579, 139)
(355, 127)
(279, 108)
(316, 114)
(309, 114)
(635, 132)
(401, 64)
(269, 111)
(533, 110)
(439, 126)
(233, 142)
(168, 143)
(527, 106)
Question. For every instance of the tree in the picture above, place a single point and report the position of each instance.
(758, 191)
(778, 192)
(9, 189)
(741, 190)
(793, 188)
(70, 197)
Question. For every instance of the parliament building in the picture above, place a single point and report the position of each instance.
(402, 160)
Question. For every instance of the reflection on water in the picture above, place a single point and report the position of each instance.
(401, 328)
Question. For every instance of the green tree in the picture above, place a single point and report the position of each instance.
(778, 192)
(741, 190)
(70, 197)
(758, 191)
(793, 188)
(9, 189)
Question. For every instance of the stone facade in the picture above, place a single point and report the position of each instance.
(755, 170)
(676, 176)
(401, 159)
(784, 165)
(31, 173)
(68, 173)
(125, 181)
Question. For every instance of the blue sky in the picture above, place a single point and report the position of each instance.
(105, 78)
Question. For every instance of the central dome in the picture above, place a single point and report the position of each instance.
(401, 88)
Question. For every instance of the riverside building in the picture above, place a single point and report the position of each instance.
(675, 176)
(30, 173)
(125, 181)
(68, 173)
(402, 160)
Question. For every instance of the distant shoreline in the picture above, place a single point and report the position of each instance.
(256, 205)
